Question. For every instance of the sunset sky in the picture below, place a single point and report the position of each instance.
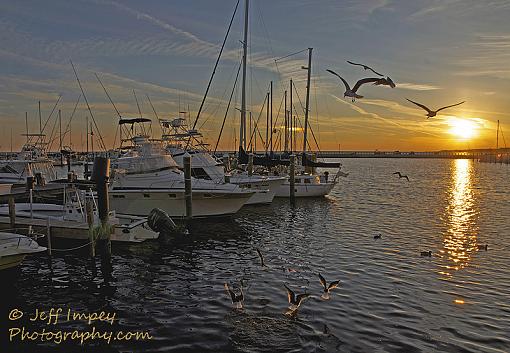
(438, 53)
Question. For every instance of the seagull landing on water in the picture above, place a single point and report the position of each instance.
(352, 92)
(294, 300)
(382, 81)
(237, 299)
(401, 176)
(432, 113)
(327, 288)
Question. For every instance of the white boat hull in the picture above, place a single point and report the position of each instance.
(305, 190)
(265, 189)
(204, 204)
(14, 247)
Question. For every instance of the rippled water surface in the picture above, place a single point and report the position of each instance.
(390, 298)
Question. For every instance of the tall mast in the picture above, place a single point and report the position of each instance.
(242, 129)
(497, 137)
(40, 119)
(26, 124)
(307, 106)
(286, 115)
(271, 119)
(291, 120)
(267, 121)
(60, 134)
(87, 126)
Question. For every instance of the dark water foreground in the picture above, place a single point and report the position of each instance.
(390, 298)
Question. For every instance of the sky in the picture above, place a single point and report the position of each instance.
(437, 52)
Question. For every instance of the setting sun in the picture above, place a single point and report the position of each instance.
(462, 128)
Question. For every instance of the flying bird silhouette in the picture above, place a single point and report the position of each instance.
(294, 300)
(352, 92)
(365, 67)
(432, 113)
(401, 176)
(237, 299)
(327, 288)
(382, 81)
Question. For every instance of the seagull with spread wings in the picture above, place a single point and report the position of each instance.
(432, 113)
(352, 92)
(382, 81)
(327, 288)
(294, 300)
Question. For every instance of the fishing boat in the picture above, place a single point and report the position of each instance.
(204, 164)
(147, 177)
(15, 247)
(70, 219)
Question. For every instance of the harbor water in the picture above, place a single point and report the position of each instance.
(390, 299)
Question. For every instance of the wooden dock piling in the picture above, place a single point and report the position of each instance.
(292, 179)
(187, 186)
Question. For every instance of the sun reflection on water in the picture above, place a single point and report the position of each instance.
(460, 238)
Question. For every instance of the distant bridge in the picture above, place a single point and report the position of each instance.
(482, 154)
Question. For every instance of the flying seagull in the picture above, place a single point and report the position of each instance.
(352, 92)
(294, 300)
(237, 299)
(365, 67)
(382, 81)
(431, 113)
(327, 288)
(401, 176)
(262, 263)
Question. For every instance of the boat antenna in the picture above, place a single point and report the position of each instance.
(228, 106)
(88, 106)
(110, 98)
(215, 66)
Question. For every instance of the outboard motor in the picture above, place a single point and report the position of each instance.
(159, 221)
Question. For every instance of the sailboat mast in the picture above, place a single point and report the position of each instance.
(271, 119)
(267, 121)
(497, 137)
(242, 129)
(26, 124)
(60, 134)
(286, 115)
(291, 120)
(307, 106)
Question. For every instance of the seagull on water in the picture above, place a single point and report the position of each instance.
(327, 288)
(426, 253)
(382, 81)
(352, 92)
(483, 247)
(237, 299)
(378, 236)
(432, 113)
(401, 176)
(294, 300)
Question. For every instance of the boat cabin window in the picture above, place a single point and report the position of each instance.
(307, 181)
(172, 196)
(146, 195)
(200, 173)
